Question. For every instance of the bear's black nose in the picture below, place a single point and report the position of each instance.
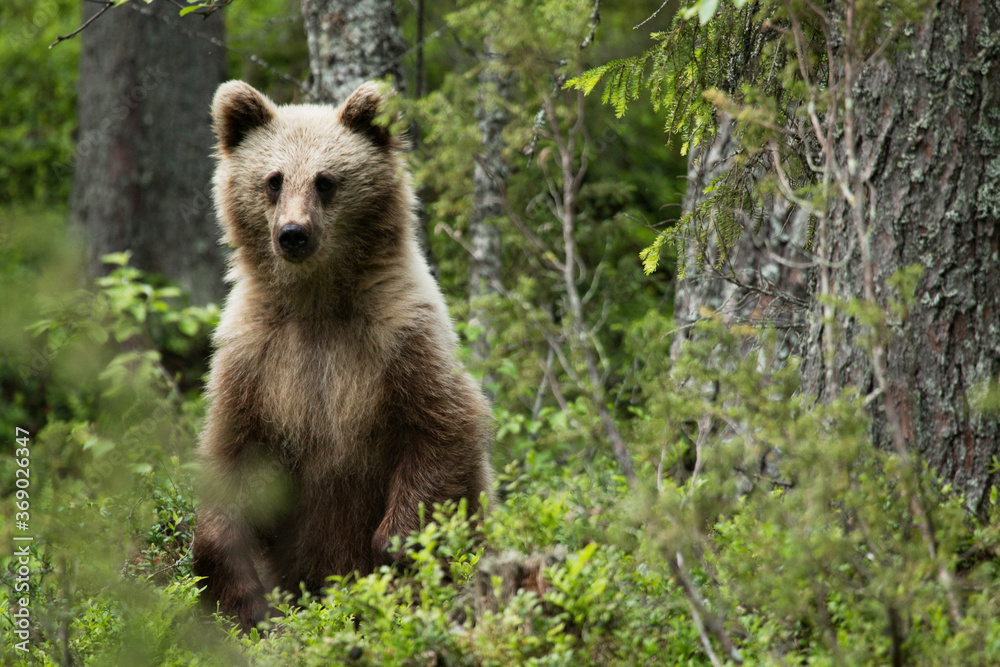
(294, 241)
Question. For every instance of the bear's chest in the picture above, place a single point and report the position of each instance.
(324, 396)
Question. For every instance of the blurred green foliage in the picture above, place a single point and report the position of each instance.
(267, 47)
(38, 93)
(792, 529)
(86, 372)
(806, 555)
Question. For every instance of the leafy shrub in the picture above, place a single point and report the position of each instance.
(111, 433)
(763, 516)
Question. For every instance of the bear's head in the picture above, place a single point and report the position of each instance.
(307, 188)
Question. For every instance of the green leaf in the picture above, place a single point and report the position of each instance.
(577, 562)
(97, 333)
(100, 446)
(587, 80)
(651, 256)
(119, 258)
(188, 326)
(706, 9)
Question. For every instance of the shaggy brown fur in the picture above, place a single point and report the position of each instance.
(337, 407)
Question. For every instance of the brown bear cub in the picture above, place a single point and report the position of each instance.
(337, 407)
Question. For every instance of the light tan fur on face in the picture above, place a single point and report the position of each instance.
(299, 143)
(337, 371)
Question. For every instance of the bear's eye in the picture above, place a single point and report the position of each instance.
(274, 185)
(325, 184)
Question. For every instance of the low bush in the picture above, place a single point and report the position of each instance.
(765, 528)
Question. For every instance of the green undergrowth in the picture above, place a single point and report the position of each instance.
(764, 529)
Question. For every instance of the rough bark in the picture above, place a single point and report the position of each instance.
(930, 122)
(488, 178)
(143, 167)
(350, 43)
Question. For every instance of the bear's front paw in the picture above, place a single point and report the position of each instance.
(250, 613)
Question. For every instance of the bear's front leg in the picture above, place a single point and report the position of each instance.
(237, 500)
(438, 438)
(428, 472)
(224, 549)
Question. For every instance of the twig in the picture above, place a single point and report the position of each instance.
(571, 185)
(830, 171)
(659, 468)
(536, 406)
(706, 641)
(785, 185)
(455, 236)
(557, 392)
(175, 563)
(563, 360)
(416, 47)
(652, 16)
(214, 41)
(813, 262)
(595, 18)
(700, 611)
(557, 389)
(785, 484)
(545, 254)
(63, 38)
(592, 290)
(704, 427)
(128, 519)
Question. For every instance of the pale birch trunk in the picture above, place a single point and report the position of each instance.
(488, 179)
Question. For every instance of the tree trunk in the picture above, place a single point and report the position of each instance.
(764, 280)
(142, 179)
(488, 178)
(350, 43)
(928, 121)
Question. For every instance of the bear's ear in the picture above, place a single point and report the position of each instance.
(238, 108)
(360, 110)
